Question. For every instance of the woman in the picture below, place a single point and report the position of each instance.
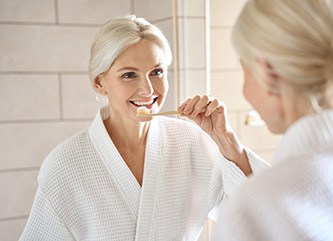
(286, 51)
(130, 177)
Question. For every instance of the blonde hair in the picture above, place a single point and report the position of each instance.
(117, 35)
(295, 37)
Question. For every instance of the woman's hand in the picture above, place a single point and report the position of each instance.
(211, 115)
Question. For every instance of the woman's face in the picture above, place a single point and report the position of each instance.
(138, 77)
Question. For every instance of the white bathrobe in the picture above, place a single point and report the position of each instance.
(293, 200)
(87, 192)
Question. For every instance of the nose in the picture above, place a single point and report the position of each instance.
(146, 88)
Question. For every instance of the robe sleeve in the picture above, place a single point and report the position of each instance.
(44, 223)
(256, 162)
(233, 177)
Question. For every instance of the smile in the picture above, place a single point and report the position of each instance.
(144, 103)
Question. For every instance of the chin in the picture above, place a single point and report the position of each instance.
(276, 129)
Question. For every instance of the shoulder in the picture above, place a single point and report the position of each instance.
(65, 157)
(175, 125)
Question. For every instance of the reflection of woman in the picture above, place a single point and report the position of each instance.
(129, 177)
(286, 50)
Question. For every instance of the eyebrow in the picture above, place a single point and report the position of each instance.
(135, 69)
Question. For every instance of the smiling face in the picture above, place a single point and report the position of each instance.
(138, 77)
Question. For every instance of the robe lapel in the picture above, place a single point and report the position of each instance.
(149, 191)
(120, 173)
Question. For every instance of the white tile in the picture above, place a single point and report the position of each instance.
(228, 86)
(27, 144)
(17, 193)
(225, 12)
(192, 82)
(191, 8)
(192, 52)
(153, 10)
(78, 97)
(26, 97)
(27, 11)
(11, 230)
(223, 55)
(91, 12)
(170, 102)
(167, 29)
(45, 48)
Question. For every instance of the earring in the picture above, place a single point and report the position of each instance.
(103, 99)
(315, 104)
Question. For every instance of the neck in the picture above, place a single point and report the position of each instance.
(127, 134)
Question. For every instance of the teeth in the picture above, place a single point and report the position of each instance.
(143, 103)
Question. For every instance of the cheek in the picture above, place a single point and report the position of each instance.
(248, 89)
(162, 86)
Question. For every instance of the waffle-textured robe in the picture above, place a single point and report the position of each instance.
(87, 192)
(293, 200)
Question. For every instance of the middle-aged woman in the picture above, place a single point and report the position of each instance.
(286, 51)
(137, 178)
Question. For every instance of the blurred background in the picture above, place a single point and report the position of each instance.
(45, 93)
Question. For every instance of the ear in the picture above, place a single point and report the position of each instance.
(271, 78)
(98, 85)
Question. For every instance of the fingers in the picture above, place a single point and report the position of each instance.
(200, 104)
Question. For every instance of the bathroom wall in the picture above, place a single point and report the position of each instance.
(45, 94)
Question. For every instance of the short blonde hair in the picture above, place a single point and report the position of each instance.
(294, 36)
(117, 35)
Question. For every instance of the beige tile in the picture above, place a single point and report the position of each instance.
(258, 137)
(45, 48)
(191, 43)
(267, 155)
(228, 86)
(153, 10)
(26, 97)
(27, 11)
(233, 118)
(27, 144)
(191, 8)
(11, 230)
(91, 12)
(225, 12)
(223, 55)
(17, 193)
(78, 97)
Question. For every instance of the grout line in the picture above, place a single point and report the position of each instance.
(14, 218)
(161, 20)
(39, 121)
(132, 7)
(93, 25)
(25, 169)
(61, 109)
(43, 72)
(56, 12)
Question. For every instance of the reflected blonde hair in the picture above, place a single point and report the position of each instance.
(295, 37)
(117, 35)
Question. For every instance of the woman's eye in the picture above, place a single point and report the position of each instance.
(157, 72)
(129, 75)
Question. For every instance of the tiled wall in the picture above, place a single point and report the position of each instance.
(45, 94)
(227, 78)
